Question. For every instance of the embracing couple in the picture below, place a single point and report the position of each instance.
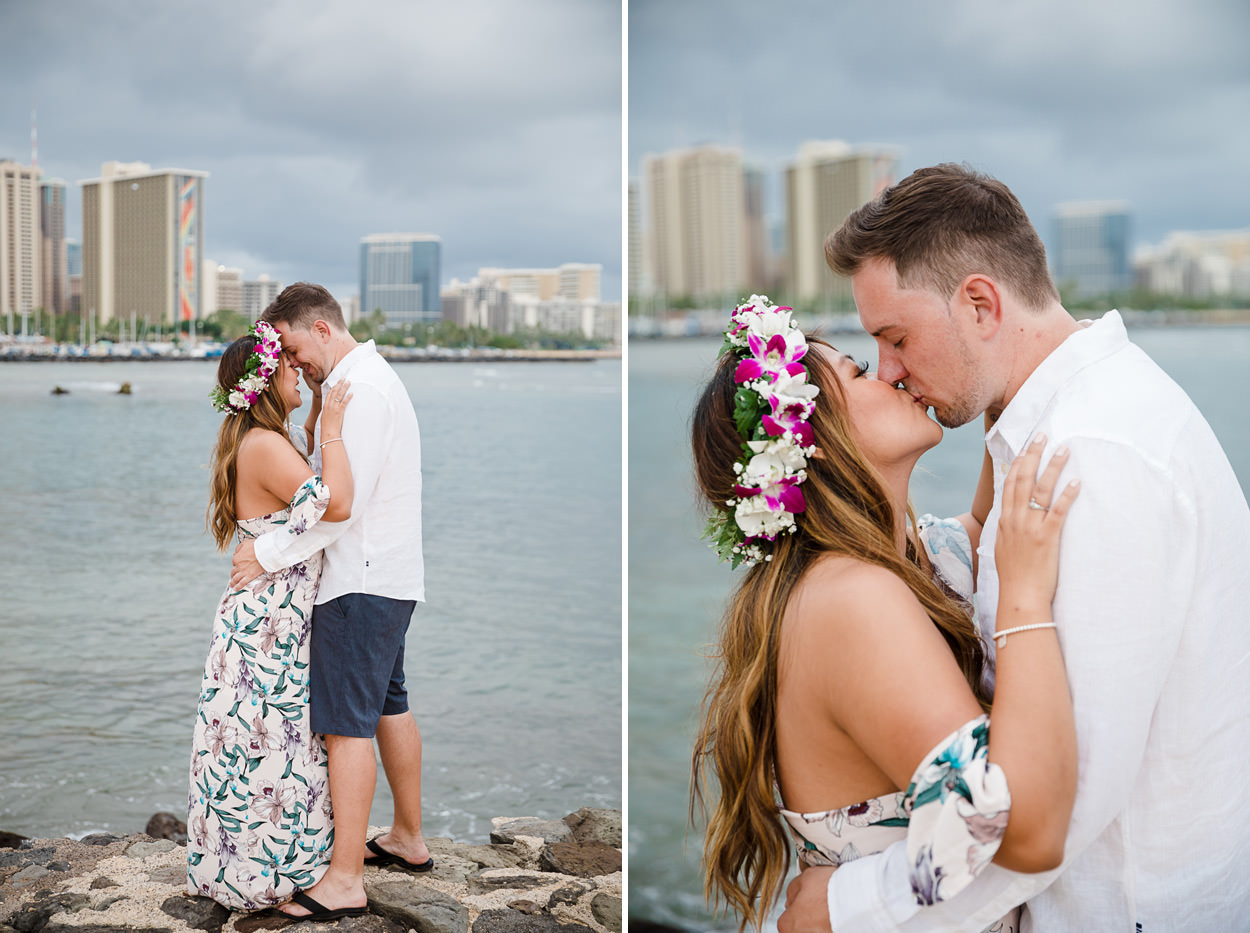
(305, 667)
(967, 723)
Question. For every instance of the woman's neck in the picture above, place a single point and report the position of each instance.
(896, 480)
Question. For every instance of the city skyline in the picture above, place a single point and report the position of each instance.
(319, 127)
(1063, 102)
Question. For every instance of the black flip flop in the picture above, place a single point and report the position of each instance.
(320, 913)
(390, 858)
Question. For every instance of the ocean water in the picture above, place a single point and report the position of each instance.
(108, 584)
(678, 589)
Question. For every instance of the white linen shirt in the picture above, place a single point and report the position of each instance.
(1153, 618)
(378, 549)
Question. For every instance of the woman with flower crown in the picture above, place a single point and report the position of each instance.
(259, 824)
(850, 701)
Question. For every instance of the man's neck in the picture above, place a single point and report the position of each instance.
(342, 345)
(1040, 335)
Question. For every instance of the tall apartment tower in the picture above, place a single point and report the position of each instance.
(1091, 247)
(827, 181)
(636, 272)
(258, 293)
(399, 276)
(53, 256)
(21, 249)
(143, 243)
(696, 218)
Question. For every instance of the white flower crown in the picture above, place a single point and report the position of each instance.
(771, 408)
(262, 364)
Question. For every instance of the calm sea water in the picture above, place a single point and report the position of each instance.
(108, 584)
(677, 589)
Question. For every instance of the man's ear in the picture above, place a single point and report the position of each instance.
(980, 296)
(322, 330)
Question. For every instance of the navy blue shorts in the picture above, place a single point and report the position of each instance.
(356, 663)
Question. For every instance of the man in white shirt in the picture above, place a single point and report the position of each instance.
(950, 278)
(371, 580)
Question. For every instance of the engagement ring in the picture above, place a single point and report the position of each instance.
(1034, 504)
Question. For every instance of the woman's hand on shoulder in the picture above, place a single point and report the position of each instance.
(333, 403)
(1026, 550)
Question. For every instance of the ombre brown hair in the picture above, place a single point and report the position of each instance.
(303, 303)
(941, 224)
(269, 411)
(746, 852)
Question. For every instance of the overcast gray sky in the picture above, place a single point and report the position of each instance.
(1142, 100)
(495, 124)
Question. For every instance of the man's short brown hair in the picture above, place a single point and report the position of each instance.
(303, 303)
(941, 224)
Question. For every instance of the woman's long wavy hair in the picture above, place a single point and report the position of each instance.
(268, 412)
(746, 853)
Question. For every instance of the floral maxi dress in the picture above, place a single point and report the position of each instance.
(259, 822)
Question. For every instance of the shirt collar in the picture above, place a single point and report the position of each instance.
(1093, 341)
(349, 362)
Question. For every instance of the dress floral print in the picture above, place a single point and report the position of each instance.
(259, 822)
(954, 812)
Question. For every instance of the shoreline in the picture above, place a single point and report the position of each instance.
(534, 876)
(125, 353)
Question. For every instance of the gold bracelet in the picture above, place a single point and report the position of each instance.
(322, 445)
(1001, 637)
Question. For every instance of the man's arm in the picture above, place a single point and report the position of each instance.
(1119, 630)
(366, 438)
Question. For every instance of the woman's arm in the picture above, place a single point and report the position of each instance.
(1033, 733)
(314, 410)
(982, 499)
(336, 470)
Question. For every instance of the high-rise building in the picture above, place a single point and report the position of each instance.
(827, 181)
(637, 272)
(21, 249)
(227, 289)
(399, 276)
(52, 227)
(577, 281)
(694, 200)
(143, 239)
(1090, 254)
(257, 294)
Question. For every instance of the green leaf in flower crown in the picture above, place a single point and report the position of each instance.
(749, 408)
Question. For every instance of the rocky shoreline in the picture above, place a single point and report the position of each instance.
(535, 876)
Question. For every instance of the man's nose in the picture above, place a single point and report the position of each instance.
(889, 369)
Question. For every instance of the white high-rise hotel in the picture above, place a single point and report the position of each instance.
(143, 237)
(21, 276)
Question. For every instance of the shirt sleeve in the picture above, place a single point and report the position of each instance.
(366, 438)
(1119, 624)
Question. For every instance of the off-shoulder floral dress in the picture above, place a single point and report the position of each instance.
(954, 812)
(259, 822)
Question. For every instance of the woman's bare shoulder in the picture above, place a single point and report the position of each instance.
(841, 589)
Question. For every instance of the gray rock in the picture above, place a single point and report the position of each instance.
(506, 830)
(368, 923)
(497, 879)
(59, 865)
(496, 856)
(567, 895)
(11, 840)
(607, 910)
(167, 826)
(40, 856)
(513, 921)
(27, 875)
(175, 876)
(143, 849)
(526, 906)
(594, 824)
(36, 915)
(103, 882)
(100, 839)
(585, 860)
(416, 907)
(199, 913)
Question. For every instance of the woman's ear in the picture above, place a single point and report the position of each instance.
(817, 454)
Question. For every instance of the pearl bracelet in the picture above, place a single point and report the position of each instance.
(1001, 637)
(322, 445)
